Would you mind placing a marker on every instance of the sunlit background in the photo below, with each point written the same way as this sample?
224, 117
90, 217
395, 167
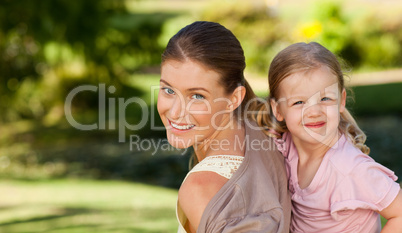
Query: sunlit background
58, 176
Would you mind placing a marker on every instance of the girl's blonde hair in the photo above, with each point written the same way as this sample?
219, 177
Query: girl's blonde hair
301, 57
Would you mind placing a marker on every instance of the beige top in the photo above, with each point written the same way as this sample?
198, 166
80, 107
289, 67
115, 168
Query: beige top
256, 197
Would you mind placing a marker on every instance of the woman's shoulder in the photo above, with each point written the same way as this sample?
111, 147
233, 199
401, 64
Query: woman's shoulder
197, 191
202, 183
206, 178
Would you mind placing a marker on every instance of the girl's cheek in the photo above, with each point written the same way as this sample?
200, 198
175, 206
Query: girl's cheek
334, 111
295, 112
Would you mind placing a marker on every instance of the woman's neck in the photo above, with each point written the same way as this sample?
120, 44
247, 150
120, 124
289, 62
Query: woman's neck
228, 141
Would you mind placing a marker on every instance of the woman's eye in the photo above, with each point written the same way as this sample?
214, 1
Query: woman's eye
197, 97
168, 90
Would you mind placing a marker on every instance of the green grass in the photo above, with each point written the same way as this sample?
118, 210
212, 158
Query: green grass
75, 206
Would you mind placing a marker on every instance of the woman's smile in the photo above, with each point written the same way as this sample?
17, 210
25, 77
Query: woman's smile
180, 127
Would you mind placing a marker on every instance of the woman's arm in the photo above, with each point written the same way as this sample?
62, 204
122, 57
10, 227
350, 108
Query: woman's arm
195, 194
393, 213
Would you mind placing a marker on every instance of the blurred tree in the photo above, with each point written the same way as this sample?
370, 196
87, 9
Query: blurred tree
48, 47
367, 40
257, 26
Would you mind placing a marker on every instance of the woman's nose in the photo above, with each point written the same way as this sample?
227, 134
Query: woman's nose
178, 107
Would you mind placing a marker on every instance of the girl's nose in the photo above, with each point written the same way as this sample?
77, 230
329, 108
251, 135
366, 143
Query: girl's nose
313, 110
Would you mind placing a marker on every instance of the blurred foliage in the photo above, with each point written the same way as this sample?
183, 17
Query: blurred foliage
52, 46
259, 30
49, 47
377, 100
365, 40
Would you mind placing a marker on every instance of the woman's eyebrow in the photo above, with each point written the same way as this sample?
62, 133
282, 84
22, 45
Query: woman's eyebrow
198, 88
190, 89
163, 81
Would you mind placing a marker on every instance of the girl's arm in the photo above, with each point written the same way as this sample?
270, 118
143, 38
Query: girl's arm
393, 213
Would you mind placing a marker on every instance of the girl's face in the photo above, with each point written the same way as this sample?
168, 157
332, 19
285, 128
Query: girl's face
191, 102
310, 102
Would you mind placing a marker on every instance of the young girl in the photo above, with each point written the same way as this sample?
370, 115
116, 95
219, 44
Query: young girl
335, 185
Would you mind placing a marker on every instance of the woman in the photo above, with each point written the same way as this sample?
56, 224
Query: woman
239, 184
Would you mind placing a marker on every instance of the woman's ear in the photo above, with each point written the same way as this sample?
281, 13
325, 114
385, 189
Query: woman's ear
275, 110
237, 97
342, 106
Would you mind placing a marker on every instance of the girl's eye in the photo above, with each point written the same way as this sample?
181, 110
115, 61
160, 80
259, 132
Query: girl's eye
168, 90
298, 102
325, 99
197, 97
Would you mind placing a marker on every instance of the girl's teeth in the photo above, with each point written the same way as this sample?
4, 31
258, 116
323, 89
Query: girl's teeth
182, 127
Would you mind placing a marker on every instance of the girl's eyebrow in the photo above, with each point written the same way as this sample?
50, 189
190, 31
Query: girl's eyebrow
299, 97
331, 92
190, 89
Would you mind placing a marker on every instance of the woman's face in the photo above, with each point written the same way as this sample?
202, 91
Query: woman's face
191, 102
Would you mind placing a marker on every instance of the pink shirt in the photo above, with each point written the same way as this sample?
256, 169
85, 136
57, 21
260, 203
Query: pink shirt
345, 193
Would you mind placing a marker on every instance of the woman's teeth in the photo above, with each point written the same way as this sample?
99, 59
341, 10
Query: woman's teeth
181, 127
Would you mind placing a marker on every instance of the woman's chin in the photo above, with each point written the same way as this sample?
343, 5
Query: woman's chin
178, 142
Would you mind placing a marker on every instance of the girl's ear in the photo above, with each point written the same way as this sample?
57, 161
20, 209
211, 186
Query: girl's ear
342, 106
237, 97
275, 110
